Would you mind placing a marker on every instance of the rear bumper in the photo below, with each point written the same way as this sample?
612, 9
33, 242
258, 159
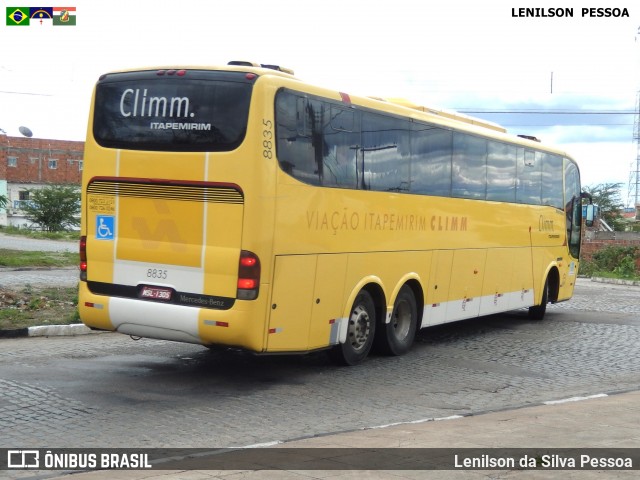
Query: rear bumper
242, 326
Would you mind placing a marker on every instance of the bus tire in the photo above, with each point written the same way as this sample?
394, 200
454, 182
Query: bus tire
361, 330
537, 311
397, 336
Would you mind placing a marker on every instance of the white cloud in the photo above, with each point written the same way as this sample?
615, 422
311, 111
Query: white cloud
605, 162
454, 54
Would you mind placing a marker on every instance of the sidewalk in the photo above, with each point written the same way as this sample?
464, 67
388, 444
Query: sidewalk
18, 242
580, 424
37, 276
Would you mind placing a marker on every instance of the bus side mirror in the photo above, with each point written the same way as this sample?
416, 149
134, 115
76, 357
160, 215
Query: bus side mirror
588, 221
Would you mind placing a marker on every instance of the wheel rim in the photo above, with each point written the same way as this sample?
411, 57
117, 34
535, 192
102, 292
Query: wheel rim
359, 328
401, 320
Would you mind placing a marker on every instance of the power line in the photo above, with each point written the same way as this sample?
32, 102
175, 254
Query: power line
567, 125
27, 93
550, 112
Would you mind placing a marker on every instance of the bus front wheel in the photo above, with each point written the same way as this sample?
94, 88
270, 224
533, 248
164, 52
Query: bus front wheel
396, 337
360, 332
537, 311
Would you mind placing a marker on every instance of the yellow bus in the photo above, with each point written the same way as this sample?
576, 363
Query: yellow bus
239, 206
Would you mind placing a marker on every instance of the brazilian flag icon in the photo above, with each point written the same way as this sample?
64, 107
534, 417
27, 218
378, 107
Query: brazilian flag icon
18, 16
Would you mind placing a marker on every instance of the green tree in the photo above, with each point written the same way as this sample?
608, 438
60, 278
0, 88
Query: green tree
4, 201
608, 198
54, 208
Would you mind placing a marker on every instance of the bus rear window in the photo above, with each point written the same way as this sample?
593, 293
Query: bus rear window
197, 111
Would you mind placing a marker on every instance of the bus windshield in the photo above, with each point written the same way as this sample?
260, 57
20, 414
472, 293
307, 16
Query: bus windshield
179, 111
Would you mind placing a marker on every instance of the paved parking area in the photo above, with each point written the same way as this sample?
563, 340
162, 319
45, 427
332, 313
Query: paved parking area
14, 242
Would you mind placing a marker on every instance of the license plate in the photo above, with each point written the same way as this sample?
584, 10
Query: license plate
156, 293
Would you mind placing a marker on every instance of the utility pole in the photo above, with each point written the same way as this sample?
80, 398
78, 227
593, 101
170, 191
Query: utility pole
634, 175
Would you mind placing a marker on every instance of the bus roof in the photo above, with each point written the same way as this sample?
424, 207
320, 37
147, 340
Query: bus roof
234, 65
445, 117
448, 114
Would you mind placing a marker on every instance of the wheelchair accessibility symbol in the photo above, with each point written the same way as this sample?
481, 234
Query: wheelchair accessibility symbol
105, 227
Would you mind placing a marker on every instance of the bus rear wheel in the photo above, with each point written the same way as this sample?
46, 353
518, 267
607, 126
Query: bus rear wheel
537, 311
396, 337
360, 332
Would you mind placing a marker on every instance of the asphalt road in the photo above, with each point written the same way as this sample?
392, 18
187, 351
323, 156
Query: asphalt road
12, 278
33, 244
107, 390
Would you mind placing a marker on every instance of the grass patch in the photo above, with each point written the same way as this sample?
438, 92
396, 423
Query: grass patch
71, 236
34, 306
31, 306
22, 258
616, 276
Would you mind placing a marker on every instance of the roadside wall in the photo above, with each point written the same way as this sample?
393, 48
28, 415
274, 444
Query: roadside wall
595, 241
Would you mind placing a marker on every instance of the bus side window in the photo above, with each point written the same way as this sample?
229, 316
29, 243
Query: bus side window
552, 180
469, 166
339, 143
303, 125
386, 153
342, 120
295, 147
529, 173
501, 172
431, 149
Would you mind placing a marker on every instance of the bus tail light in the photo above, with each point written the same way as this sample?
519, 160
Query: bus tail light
248, 276
83, 258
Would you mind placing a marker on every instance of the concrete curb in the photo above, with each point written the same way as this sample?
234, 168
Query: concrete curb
81, 329
35, 269
616, 281
59, 330
49, 331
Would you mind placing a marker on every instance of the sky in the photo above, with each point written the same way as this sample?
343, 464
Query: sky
464, 55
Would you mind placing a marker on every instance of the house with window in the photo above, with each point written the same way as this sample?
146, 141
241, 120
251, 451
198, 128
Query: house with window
27, 164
